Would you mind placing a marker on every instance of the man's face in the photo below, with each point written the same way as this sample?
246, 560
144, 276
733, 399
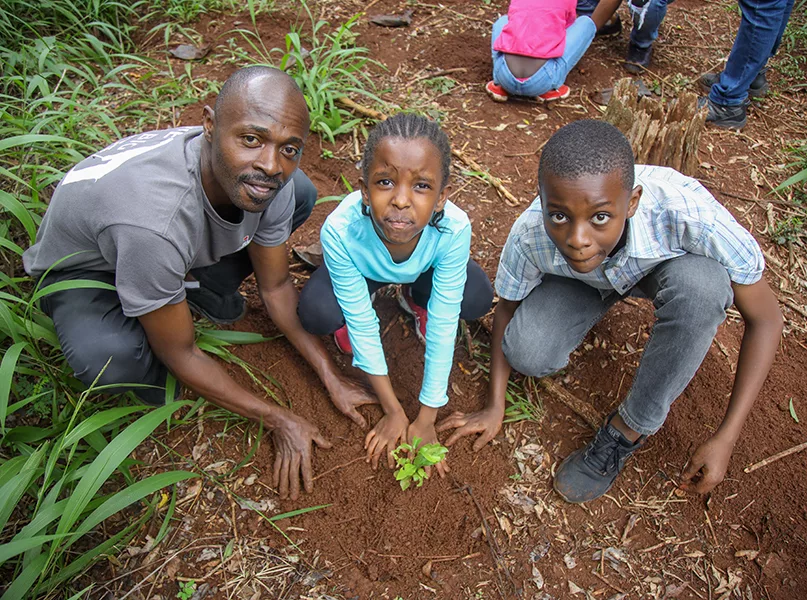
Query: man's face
256, 139
585, 217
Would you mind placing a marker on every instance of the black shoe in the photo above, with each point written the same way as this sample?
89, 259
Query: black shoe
758, 88
638, 59
588, 473
727, 117
223, 310
612, 27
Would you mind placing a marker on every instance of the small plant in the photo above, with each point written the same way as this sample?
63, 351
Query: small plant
787, 231
186, 590
415, 470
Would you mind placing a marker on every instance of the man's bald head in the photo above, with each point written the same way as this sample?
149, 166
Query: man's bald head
269, 78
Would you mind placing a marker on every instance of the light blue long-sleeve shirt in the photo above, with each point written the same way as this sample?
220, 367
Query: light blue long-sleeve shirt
353, 252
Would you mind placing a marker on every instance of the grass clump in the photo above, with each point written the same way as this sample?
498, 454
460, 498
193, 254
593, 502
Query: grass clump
333, 68
414, 470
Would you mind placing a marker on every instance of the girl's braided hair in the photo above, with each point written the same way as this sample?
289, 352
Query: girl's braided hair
409, 126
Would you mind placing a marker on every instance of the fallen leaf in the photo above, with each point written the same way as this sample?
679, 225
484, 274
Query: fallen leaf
537, 578
190, 51
575, 589
757, 177
748, 554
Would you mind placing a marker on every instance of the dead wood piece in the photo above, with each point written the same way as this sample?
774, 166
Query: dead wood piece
775, 457
494, 181
404, 20
659, 134
581, 408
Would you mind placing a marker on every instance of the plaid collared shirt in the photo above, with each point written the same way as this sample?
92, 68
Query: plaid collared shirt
676, 216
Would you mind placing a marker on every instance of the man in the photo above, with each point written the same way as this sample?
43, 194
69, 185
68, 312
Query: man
197, 208
762, 26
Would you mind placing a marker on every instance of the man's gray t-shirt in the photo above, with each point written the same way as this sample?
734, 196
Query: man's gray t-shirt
137, 208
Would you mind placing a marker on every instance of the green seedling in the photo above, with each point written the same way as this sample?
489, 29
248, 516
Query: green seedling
186, 590
415, 470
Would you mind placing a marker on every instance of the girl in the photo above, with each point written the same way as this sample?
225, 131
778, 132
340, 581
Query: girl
537, 43
399, 228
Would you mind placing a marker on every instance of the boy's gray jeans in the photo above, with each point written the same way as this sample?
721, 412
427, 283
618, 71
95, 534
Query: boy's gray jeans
691, 294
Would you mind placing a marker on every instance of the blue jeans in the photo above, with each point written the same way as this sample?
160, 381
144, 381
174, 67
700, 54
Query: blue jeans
642, 37
553, 73
761, 28
691, 294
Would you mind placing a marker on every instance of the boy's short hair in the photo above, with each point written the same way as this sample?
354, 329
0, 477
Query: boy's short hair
587, 147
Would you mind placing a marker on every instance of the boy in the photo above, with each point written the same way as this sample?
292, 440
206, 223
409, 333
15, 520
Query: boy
594, 236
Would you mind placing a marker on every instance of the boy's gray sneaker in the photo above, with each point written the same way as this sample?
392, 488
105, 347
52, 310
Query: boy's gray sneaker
727, 117
758, 88
223, 310
588, 473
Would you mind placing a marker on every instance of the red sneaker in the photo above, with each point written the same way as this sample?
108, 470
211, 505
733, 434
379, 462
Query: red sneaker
559, 94
419, 314
496, 92
342, 340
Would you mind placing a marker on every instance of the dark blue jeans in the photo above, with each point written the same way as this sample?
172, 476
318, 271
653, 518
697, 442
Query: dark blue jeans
761, 28
643, 36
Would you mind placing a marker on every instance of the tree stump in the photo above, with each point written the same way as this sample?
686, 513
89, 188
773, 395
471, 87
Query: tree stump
660, 133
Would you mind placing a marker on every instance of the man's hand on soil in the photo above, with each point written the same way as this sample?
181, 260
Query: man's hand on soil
423, 429
487, 423
708, 465
347, 395
387, 433
293, 438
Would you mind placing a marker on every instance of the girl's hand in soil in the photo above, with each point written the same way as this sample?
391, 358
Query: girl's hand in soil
486, 422
346, 395
387, 433
423, 428
292, 438
708, 465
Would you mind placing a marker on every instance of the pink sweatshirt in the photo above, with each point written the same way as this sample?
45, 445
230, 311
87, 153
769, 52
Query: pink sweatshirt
536, 28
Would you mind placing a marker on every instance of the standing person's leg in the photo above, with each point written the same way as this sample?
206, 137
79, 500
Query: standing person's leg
691, 294
550, 323
647, 19
93, 331
761, 26
217, 297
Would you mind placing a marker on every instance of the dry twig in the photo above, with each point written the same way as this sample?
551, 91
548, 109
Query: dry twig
775, 457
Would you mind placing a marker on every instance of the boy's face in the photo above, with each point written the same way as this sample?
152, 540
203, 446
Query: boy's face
585, 217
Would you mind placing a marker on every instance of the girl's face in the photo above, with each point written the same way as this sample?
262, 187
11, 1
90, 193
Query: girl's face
404, 189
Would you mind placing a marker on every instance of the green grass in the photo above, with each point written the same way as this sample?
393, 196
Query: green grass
327, 65
72, 83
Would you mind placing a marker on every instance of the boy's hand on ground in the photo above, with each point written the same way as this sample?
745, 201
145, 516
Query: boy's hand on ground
708, 465
387, 433
292, 438
347, 395
423, 429
487, 423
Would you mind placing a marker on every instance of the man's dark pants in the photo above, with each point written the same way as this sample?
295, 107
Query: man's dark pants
93, 330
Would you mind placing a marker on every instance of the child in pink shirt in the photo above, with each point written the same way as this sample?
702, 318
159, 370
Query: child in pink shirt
536, 45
